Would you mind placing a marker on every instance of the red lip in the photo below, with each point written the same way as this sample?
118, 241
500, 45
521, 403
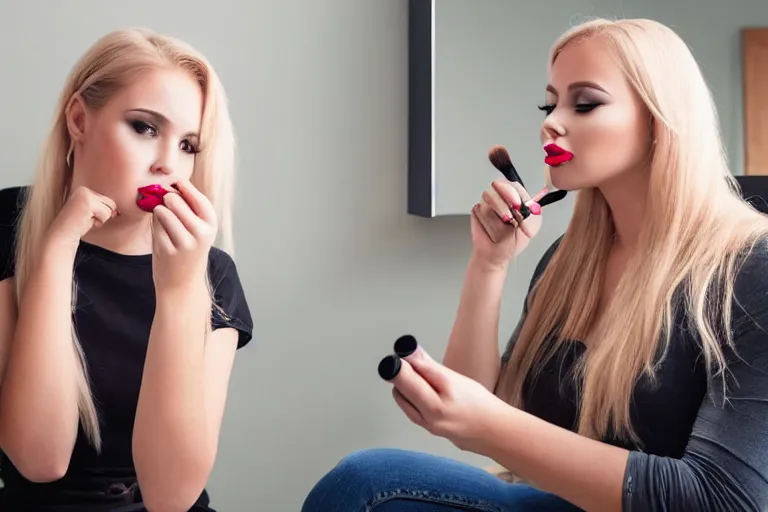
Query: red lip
556, 155
150, 197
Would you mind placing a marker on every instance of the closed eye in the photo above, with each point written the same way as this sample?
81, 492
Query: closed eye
547, 108
583, 108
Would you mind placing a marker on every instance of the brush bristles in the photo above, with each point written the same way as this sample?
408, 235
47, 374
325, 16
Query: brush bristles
499, 157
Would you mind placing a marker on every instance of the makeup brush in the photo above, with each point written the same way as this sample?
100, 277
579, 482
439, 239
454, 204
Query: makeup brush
500, 159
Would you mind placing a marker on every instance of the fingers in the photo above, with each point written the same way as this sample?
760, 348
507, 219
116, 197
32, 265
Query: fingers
102, 209
432, 371
540, 194
416, 389
161, 240
407, 407
172, 228
494, 227
196, 201
182, 210
503, 199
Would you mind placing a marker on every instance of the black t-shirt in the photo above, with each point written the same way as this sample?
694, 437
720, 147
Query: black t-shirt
696, 454
115, 308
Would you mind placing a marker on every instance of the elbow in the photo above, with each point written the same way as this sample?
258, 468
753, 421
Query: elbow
38, 460
40, 470
170, 491
167, 503
176, 496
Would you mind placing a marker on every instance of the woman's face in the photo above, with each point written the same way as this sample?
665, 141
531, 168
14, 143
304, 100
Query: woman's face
596, 127
147, 133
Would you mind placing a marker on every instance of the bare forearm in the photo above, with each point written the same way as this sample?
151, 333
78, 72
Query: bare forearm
473, 348
38, 411
585, 472
170, 441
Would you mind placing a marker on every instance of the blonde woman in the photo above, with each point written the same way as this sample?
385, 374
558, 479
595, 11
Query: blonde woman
637, 378
120, 323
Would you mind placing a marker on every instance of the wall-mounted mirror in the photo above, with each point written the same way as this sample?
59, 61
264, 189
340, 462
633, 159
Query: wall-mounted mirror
478, 71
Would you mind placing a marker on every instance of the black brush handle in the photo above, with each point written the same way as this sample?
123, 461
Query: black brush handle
511, 175
552, 197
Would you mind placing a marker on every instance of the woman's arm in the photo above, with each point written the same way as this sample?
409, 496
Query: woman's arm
38, 397
473, 348
181, 402
725, 464
587, 473
185, 385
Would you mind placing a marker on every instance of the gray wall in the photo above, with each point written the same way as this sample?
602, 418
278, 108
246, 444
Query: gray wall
334, 268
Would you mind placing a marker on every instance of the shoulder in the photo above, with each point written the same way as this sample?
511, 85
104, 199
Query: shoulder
749, 302
220, 264
231, 305
11, 206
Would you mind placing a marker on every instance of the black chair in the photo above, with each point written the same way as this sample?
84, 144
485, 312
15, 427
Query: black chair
755, 190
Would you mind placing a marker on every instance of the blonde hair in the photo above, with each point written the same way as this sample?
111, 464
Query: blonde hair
109, 65
697, 229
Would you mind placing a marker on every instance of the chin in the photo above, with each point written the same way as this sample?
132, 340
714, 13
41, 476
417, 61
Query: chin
567, 178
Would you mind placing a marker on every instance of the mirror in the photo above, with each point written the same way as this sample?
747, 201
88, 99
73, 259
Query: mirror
477, 72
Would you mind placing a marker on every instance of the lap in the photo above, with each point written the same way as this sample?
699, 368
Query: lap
385, 480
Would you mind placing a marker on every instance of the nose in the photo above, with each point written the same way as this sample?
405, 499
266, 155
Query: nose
165, 161
552, 128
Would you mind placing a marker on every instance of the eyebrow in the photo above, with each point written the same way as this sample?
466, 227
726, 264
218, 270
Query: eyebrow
160, 119
578, 85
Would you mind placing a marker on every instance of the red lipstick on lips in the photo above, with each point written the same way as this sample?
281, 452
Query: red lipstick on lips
556, 155
150, 197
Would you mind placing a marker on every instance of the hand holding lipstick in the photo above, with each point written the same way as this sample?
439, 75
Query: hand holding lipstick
438, 399
184, 228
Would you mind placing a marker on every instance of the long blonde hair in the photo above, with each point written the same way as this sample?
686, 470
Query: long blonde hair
696, 230
106, 67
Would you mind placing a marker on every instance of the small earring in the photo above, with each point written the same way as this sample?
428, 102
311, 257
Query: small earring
70, 153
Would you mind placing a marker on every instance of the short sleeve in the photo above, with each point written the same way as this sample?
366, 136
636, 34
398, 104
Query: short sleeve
231, 308
543, 262
11, 203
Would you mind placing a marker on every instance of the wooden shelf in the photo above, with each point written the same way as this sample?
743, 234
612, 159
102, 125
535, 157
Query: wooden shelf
755, 55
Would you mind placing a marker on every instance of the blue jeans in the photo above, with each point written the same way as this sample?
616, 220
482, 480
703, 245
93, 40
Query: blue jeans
389, 480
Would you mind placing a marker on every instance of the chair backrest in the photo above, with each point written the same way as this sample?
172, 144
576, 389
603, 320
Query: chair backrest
755, 190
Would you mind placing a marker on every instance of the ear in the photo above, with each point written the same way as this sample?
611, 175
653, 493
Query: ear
76, 118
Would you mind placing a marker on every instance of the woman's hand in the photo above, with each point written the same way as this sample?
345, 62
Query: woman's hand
444, 402
83, 211
499, 232
183, 231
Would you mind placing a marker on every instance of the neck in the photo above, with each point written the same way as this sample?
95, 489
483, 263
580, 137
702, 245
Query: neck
627, 200
123, 235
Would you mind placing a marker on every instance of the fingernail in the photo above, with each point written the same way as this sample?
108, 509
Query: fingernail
389, 367
535, 208
406, 345
506, 217
516, 206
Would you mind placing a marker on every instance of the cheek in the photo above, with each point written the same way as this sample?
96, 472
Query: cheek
615, 144
120, 158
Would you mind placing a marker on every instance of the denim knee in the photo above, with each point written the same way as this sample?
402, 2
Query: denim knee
351, 485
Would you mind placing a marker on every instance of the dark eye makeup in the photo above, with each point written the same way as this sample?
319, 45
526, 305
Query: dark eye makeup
147, 129
580, 108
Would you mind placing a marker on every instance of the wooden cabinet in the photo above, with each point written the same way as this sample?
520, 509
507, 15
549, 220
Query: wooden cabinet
755, 55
